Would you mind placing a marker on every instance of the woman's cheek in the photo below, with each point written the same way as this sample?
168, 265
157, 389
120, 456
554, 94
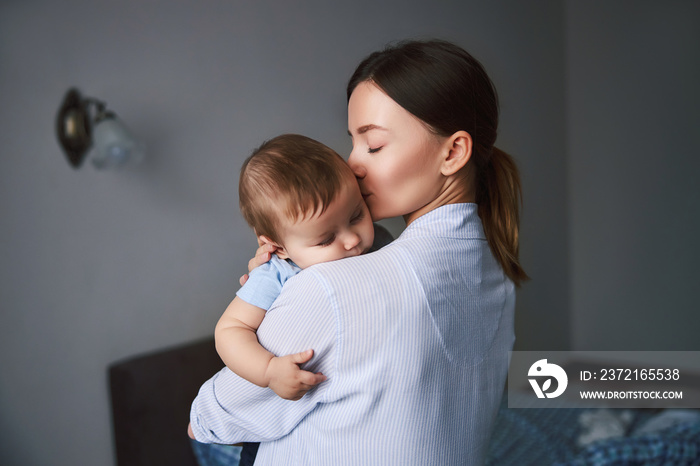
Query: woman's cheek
386, 180
387, 202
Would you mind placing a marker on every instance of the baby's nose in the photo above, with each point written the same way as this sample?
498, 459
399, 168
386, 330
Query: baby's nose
351, 240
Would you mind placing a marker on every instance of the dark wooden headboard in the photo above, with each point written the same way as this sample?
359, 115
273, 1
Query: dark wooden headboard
151, 397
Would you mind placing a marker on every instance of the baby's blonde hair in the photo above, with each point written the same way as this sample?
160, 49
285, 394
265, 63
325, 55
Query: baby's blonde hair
290, 175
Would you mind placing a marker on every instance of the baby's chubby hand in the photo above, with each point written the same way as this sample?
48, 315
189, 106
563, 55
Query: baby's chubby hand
288, 380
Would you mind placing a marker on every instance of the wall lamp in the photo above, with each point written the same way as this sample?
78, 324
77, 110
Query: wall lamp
84, 123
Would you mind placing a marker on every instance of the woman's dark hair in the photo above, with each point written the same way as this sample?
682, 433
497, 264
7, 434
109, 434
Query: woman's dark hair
449, 90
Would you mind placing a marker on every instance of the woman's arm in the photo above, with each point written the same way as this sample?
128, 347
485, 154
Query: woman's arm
238, 346
230, 409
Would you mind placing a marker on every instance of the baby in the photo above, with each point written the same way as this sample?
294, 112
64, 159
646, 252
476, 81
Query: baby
302, 198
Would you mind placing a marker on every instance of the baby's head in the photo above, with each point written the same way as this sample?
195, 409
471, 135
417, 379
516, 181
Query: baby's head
301, 196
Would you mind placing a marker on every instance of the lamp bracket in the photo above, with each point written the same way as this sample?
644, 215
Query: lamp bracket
74, 122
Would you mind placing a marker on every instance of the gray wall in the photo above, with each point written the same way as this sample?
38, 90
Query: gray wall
633, 153
98, 266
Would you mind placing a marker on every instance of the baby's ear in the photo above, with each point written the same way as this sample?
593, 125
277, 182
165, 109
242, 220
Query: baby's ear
279, 249
281, 253
262, 240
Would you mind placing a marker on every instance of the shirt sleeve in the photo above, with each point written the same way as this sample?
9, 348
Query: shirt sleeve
229, 409
265, 282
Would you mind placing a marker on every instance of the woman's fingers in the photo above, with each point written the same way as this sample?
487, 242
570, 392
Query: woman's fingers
258, 260
262, 255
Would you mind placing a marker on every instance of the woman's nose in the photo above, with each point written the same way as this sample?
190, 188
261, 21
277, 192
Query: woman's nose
355, 166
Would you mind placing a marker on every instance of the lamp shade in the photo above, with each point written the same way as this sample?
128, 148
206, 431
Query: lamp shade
114, 145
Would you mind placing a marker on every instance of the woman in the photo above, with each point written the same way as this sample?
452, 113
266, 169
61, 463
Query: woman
415, 337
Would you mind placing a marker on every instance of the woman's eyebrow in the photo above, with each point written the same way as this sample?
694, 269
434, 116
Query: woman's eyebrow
365, 128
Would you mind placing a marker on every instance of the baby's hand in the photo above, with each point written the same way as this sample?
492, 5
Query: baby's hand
288, 380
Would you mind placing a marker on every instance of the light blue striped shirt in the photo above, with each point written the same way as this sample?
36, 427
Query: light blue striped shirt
414, 339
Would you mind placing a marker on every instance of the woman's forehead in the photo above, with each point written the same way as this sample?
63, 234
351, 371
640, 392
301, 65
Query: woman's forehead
371, 109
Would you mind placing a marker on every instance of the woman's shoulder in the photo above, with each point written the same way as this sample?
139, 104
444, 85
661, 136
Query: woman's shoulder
360, 269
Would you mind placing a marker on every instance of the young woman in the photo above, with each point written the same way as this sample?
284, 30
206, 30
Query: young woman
414, 338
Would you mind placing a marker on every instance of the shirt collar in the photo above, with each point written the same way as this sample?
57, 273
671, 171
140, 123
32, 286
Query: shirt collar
451, 221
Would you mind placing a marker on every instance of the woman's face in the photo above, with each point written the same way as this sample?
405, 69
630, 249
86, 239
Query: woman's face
395, 158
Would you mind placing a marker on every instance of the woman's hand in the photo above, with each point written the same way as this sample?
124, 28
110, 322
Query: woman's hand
262, 255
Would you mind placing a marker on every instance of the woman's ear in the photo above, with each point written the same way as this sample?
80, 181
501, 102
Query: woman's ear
458, 149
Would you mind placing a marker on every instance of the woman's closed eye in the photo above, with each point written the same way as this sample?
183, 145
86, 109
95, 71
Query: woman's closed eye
374, 150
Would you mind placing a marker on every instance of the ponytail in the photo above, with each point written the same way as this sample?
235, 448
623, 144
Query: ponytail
498, 196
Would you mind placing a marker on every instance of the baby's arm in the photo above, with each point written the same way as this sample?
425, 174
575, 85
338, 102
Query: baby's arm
238, 346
